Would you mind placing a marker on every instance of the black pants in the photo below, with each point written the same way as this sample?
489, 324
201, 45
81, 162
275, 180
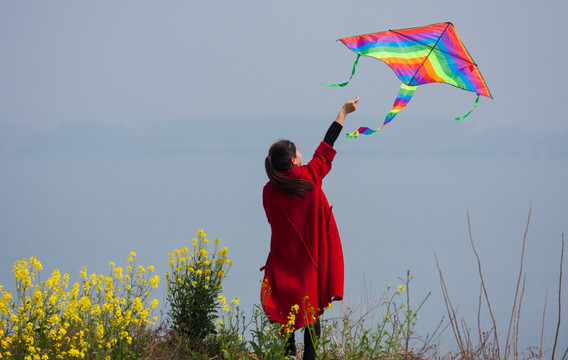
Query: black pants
309, 349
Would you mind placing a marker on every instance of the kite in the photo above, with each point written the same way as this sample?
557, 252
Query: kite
418, 56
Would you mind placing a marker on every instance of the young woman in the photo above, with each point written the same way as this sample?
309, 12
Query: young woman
304, 269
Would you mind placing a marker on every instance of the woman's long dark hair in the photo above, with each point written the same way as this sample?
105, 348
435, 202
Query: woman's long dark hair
277, 162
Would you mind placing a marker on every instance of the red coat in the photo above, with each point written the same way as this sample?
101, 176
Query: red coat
306, 258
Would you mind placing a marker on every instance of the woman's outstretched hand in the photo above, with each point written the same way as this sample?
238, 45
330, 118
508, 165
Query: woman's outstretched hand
350, 105
347, 108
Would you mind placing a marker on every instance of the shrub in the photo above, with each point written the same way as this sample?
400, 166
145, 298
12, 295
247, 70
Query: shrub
194, 285
100, 317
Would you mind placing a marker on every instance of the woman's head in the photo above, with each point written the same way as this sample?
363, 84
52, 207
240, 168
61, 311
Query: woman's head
282, 156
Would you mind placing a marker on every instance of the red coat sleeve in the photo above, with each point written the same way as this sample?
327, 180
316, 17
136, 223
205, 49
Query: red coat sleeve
319, 166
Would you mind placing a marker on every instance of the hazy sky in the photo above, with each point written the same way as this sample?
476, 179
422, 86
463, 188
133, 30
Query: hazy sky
128, 126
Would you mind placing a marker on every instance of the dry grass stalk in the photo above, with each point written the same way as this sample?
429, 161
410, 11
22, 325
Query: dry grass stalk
514, 321
559, 303
542, 329
451, 311
496, 335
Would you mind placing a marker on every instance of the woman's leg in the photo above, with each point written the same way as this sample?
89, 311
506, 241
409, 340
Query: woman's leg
291, 345
309, 347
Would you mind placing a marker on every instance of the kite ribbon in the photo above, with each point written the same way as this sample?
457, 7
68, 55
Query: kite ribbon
470, 111
404, 95
351, 77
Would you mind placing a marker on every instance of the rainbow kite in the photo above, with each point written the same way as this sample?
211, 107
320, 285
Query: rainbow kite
419, 55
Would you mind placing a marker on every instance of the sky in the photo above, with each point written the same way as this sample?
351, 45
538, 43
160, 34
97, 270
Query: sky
128, 126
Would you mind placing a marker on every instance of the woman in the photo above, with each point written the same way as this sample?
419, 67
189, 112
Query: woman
304, 269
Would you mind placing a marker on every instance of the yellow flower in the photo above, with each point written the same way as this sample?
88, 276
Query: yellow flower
400, 288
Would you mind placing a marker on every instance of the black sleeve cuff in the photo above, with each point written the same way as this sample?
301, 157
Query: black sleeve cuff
332, 133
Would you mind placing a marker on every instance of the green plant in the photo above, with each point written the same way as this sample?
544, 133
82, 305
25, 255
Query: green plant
230, 329
268, 339
370, 333
194, 285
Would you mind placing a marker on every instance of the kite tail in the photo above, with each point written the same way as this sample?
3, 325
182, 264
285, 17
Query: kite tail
404, 95
470, 111
351, 77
